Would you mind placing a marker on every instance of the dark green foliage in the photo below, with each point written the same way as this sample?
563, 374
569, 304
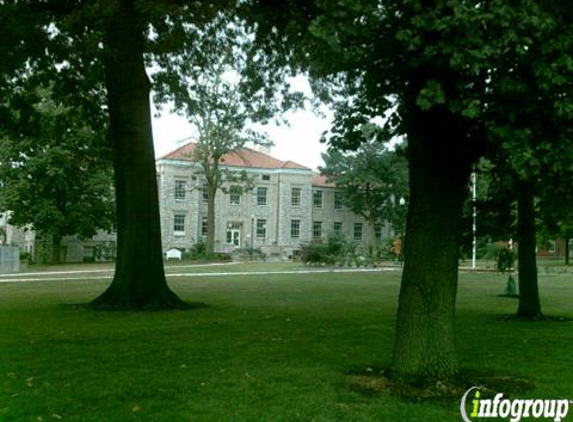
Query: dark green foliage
316, 253
373, 181
334, 250
505, 260
56, 170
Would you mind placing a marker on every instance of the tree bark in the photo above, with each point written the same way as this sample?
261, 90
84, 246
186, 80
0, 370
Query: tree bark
210, 246
56, 249
439, 169
529, 304
139, 282
566, 251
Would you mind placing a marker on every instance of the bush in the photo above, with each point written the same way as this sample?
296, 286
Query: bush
505, 260
316, 252
25, 256
334, 249
198, 252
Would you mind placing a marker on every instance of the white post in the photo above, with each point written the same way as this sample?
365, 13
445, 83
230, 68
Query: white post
474, 222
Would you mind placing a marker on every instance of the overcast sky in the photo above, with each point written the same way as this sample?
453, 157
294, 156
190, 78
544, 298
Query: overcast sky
298, 142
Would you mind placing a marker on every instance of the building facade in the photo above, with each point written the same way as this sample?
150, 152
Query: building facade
286, 205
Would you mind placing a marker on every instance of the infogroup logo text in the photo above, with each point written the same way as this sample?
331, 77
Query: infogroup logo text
515, 410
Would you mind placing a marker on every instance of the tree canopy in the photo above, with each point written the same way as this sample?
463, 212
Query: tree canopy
56, 171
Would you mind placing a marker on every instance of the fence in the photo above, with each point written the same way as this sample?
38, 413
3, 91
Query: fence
9, 259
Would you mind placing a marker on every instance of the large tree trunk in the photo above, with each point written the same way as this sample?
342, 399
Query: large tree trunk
210, 245
56, 249
439, 168
139, 282
529, 304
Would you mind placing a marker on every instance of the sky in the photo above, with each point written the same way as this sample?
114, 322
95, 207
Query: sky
298, 142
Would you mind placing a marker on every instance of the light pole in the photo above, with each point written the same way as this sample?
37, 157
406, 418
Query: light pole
252, 235
474, 219
402, 203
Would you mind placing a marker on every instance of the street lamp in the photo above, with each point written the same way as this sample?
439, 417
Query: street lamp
252, 234
402, 203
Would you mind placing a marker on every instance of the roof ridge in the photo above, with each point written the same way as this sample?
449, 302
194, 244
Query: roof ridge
176, 150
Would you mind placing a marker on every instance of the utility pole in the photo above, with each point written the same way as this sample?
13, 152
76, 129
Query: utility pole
474, 215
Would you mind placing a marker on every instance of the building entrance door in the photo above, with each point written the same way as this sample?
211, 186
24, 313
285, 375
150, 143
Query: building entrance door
234, 234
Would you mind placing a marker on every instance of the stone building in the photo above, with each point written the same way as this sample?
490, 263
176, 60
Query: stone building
286, 206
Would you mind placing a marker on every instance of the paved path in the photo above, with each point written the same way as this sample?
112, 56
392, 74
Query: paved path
50, 276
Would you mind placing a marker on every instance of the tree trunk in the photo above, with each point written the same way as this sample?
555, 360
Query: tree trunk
210, 246
439, 169
139, 282
529, 305
56, 249
566, 251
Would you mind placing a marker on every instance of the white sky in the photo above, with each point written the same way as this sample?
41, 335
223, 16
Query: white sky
298, 142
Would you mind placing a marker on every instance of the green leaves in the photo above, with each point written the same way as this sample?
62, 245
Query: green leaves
57, 177
372, 181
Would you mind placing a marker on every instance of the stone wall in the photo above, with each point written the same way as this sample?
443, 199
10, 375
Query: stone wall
9, 259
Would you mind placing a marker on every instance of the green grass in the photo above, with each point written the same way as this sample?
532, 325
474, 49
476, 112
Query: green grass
269, 348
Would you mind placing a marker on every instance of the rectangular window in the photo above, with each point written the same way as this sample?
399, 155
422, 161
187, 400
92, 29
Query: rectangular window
338, 201
266, 177
378, 231
179, 224
180, 188
295, 229
357, 231
337, 228
261, 228
261, 196
295, 197
235, 195
317, 198
317, 229
204, 227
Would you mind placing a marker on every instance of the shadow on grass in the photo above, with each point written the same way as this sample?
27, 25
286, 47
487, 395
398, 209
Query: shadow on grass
540, 318
186, 306
373, 382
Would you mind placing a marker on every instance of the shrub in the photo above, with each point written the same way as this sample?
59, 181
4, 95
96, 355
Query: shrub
25, 256
505, 260
334, 249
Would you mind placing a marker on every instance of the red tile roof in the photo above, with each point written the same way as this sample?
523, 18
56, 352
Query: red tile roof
322, 181
244, 157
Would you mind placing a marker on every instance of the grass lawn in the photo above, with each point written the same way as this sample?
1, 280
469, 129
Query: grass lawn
270, 348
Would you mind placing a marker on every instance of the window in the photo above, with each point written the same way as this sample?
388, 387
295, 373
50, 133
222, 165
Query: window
205, 193
337, 228
204, 227
317, 198
261, 228
235, 195
295, 197
266, 177
180, 188
357, 231
317, 229
179, 224
378, 231
338, 201
261, 196
295, 229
